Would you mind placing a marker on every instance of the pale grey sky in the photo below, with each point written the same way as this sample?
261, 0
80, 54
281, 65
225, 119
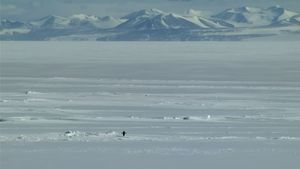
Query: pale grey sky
33, 9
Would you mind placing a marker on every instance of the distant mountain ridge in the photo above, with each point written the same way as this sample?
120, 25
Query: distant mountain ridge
154, 24
154, 19
75, 21
253, 17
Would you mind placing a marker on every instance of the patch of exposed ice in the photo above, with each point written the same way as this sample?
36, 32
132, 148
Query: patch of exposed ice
29, 92
35, 100
4, 101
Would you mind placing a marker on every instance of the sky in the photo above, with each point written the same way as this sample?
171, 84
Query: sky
34, 9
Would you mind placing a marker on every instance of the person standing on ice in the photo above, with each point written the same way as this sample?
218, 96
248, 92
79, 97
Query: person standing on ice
124, 133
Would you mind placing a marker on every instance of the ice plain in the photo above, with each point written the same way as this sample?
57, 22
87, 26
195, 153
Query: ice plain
184, 105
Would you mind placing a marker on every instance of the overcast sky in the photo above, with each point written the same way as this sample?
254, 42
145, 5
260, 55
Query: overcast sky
33, 9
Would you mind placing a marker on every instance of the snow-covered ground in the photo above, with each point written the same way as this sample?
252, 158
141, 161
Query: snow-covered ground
183, 104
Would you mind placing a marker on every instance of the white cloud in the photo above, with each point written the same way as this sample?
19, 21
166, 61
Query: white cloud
10, 10
5, 7
33, 9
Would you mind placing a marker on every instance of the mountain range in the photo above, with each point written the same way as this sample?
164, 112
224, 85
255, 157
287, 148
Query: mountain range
153, 24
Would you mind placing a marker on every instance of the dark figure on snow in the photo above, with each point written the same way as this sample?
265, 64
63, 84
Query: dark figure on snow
124, 133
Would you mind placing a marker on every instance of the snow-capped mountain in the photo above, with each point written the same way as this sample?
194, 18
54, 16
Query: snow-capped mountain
279, 13
294, 20
76, 21
10, 27
207, 23
153, 24
254, 17
205, 20
154, 19
50, 22
9, 24
82, 20
145, 13
110, 22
